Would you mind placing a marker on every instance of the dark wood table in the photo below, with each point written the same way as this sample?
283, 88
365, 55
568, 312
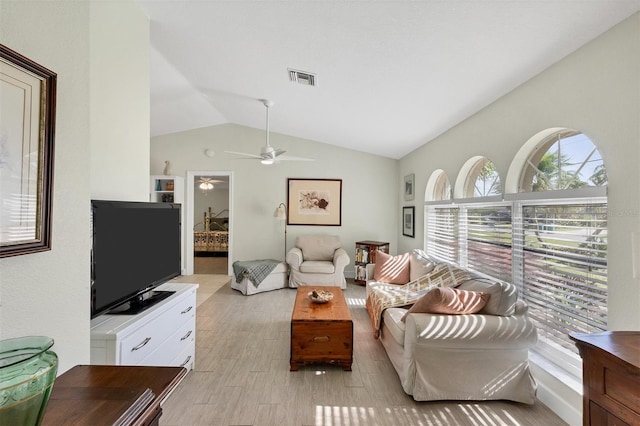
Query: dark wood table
111, 395
611, 377
321, 332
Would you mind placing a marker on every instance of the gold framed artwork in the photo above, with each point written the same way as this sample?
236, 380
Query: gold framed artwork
314, 202
27, 102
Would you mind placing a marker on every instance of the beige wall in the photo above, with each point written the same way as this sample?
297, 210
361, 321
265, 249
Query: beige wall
595, 90
368, 183
120, 108
48, 293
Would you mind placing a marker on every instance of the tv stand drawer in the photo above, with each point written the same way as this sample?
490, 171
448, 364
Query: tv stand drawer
153, 337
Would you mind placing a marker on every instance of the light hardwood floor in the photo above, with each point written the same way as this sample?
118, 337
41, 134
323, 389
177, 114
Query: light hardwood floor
242, 376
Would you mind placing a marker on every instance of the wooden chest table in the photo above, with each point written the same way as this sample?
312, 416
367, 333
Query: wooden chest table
321, 332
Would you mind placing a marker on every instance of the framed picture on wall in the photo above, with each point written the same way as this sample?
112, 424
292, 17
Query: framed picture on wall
27, 102
314, 202
409, 187
408, 221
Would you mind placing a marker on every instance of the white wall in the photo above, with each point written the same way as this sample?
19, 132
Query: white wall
48, 293
369, 185
595, 90
120, 87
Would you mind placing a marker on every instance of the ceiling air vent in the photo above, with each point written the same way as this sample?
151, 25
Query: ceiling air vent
302, 77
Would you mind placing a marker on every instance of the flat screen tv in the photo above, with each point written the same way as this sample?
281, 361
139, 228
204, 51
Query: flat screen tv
135, 248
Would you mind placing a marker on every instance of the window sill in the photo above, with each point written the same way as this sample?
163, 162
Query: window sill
571, 381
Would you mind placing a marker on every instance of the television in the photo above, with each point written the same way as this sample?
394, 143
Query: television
135, 248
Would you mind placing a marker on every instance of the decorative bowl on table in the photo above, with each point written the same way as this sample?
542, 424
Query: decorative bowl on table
320, 296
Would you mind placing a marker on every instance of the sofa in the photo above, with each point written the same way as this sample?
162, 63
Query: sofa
452, 356
317, 260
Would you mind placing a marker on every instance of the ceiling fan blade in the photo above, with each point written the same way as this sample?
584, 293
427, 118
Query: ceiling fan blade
253, 156
293, 158
278, 152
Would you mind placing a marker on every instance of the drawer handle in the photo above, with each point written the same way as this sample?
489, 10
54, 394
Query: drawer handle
321, 339
186, 361
186, 336
187, 310
141, 345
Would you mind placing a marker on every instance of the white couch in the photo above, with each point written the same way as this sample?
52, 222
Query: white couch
317, 260
481, 356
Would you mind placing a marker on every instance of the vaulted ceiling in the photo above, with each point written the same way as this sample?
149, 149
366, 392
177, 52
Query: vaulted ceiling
390, 75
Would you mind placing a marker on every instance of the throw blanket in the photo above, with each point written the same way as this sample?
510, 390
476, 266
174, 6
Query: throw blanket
386, 296
255, 270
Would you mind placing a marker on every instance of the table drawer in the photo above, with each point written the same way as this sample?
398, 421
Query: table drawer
321, 341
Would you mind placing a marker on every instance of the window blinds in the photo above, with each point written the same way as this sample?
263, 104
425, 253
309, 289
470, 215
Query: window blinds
442, 233
562, 268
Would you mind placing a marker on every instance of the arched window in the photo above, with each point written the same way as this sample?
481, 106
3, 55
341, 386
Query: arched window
441, 218
566, 159
561, 207
438, 187
478, 178
544, 228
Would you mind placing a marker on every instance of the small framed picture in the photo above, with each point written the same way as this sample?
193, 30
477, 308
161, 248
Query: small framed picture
409, 187
408, 221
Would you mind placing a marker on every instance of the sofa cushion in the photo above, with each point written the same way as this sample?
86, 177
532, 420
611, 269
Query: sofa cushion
420, 264
447, 300
391, 269
317, 267
503, 295
318, 247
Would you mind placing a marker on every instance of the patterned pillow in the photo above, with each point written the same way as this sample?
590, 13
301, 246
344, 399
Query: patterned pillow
448, 300
391, 269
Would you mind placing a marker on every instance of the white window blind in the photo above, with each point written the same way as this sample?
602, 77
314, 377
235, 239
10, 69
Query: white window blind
562, 268
488, 240
442, 233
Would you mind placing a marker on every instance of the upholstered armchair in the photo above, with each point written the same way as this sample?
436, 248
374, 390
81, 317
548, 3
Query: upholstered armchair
317, 260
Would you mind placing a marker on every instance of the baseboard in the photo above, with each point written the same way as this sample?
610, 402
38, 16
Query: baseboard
563, 395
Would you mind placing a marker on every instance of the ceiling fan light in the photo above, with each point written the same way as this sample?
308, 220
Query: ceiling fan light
267, 161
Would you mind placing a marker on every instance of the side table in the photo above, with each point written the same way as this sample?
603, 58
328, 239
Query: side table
611, 377
108, 395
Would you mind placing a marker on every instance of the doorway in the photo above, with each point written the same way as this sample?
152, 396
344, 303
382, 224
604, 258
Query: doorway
208, 242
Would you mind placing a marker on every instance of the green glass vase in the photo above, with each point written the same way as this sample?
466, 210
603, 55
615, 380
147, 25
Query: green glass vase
27, 372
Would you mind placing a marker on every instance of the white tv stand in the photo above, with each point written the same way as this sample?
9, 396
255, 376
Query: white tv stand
163, 335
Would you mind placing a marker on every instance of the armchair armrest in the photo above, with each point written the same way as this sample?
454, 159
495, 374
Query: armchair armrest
340, 259
294, 258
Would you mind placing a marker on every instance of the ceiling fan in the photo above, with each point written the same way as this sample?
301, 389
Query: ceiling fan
269, 154
207, 184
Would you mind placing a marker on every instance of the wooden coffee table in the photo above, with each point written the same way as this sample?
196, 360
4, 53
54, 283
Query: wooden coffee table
321, 332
